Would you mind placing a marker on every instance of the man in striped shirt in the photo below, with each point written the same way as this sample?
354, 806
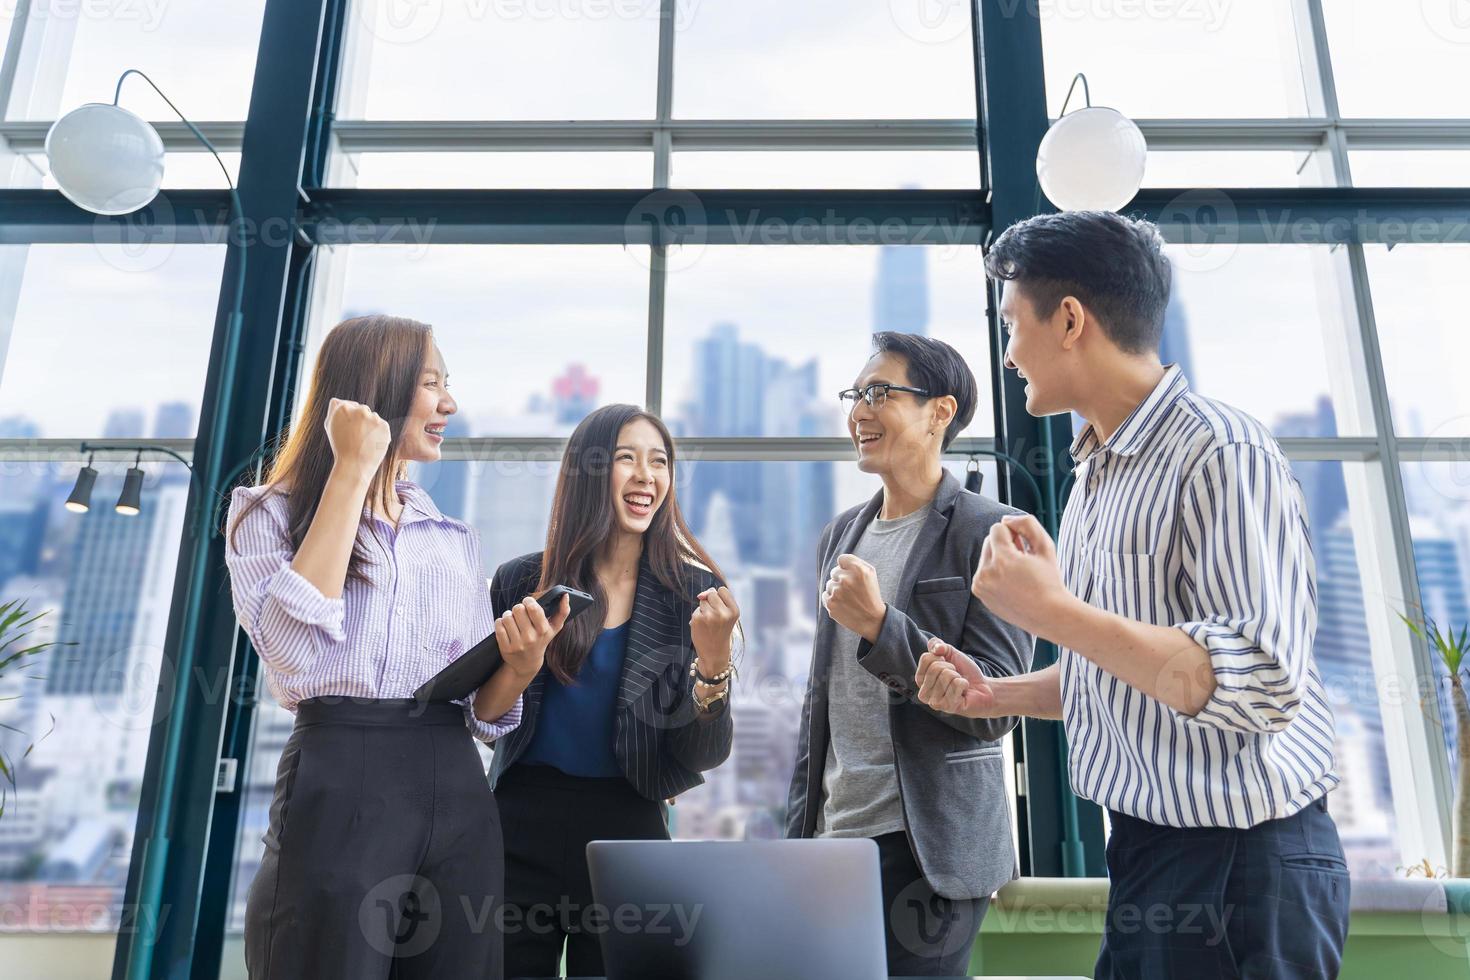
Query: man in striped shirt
1182, 599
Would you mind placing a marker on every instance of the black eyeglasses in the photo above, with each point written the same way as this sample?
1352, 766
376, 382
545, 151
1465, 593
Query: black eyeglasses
875, 395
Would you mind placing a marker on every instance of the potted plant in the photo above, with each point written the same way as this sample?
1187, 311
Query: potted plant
1451, 650
17, 624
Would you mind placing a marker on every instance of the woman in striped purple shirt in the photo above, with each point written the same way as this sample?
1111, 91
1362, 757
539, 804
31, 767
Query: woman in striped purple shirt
384, 846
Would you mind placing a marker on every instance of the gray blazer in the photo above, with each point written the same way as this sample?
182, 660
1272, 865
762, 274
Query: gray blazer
950, 770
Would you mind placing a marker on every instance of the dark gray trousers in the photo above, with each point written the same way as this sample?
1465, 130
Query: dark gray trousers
383, 857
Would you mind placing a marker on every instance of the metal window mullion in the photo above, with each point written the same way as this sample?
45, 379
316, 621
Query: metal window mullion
658, 278
1413, 739
10, 53
408, 136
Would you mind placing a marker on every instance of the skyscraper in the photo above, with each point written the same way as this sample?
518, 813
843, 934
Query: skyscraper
901, 289
743, 391
174, 420
110, 564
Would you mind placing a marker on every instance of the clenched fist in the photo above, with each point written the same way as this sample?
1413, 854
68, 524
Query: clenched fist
951, 682
852, 598
358, 435
1018, 578
711, 627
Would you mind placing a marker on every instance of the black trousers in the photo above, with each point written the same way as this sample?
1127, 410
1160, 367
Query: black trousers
549, 818
383, 855
927, 935
1271, 901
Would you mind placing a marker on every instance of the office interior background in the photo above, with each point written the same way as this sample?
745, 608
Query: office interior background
707, 207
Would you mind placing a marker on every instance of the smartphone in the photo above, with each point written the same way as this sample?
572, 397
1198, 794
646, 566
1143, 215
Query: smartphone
550, 601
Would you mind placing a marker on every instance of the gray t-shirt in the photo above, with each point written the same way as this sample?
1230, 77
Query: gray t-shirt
859, 782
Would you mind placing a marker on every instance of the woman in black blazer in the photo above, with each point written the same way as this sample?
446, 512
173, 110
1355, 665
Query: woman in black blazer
631, 703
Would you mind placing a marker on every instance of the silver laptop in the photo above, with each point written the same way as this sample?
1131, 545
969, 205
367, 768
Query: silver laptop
734, 910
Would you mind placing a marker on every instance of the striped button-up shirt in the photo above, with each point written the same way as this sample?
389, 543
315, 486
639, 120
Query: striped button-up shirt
1189, 516
424, 603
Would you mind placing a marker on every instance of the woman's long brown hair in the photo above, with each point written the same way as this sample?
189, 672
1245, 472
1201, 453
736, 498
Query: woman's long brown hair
374, 360
583, 522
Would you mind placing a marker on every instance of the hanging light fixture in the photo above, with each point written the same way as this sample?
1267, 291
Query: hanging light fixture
1093, 159
130, 502
80, 500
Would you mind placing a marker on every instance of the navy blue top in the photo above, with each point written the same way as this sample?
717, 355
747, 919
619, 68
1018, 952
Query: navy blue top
574, 727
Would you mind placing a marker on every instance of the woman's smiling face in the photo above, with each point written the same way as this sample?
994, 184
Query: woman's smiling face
640, 476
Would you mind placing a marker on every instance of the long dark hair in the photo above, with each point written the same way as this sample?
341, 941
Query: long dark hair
374, 360
583, 521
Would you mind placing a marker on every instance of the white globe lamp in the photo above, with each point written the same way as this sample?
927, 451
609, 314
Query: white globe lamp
105, 159
1092, 159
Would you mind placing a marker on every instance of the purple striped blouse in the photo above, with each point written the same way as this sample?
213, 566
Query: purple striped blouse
424, 604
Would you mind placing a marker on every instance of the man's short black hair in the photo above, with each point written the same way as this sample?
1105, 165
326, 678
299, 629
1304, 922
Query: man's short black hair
937, 368
1114, 265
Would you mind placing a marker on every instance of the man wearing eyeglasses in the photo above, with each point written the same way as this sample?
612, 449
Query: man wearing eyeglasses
872, 760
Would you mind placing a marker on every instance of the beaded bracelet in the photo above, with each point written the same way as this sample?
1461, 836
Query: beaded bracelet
719, 678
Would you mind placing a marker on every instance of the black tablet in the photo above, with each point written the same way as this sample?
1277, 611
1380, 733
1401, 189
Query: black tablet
463, 677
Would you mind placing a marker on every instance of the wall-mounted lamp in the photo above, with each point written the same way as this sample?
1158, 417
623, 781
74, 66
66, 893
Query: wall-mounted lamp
130, 501
80, 500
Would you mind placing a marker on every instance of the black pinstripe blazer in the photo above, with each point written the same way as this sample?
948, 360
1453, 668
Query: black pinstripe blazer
661, 742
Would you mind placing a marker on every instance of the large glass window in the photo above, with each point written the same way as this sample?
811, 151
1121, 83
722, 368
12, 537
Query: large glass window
77, 723
761, 338
1414, 292
1261, 327
769, 59
201, 55
1186, 60
527, 356
144, 315
1399, 60
462, 59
